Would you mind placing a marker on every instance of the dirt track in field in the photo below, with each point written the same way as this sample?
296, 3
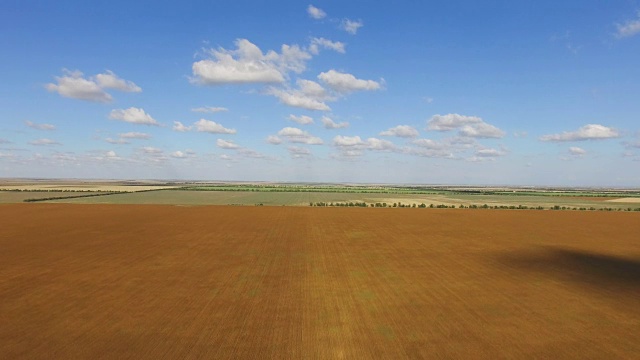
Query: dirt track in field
150, 282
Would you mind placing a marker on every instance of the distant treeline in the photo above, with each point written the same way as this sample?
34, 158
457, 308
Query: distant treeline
484, 206
104, 193
52, 190
402, 190
72, 196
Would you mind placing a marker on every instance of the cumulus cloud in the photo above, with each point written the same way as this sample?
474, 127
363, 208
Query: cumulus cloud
39, 126
350, 141
296, 135
212, 127
445, 148
226, 144
118, 141
135, 135
587, 132
351, 26
297, 152
302, 119
133, 115
404, 131
576, 151
317, 43
253, 154
451, 122
178, 126
470, 126
73, 85
488, 152
151, 150
330, 124
109, 80
347, 83
354, 145
315, 12
481, 130
274, 140
44, 142
380, 144
309, 95
209, 109
629, 28
178, 154
247, 64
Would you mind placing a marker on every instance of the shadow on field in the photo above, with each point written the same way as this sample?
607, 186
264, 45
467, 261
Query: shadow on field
606, 272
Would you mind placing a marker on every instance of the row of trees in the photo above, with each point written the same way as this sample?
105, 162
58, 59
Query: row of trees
485, 206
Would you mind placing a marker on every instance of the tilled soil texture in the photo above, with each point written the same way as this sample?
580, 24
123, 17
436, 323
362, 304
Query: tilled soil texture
218, 282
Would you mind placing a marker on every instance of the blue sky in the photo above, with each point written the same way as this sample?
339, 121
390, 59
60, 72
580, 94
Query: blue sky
456, 92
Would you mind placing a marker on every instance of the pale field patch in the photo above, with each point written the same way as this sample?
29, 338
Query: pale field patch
625, 200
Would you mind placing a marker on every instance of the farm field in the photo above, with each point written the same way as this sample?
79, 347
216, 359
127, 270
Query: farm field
191, 197
227, 282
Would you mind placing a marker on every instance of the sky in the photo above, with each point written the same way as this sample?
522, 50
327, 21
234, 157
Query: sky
543, 93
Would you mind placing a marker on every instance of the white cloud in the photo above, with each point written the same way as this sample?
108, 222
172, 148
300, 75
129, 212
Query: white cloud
44, 142
296, 135
209, 109
226, 157
274, 140
587, 132
297, 151
151, 150
317, 43
310, 95
629, 28
347, 141
116, 141
135, 135
451, 122
179, 154
111, 154
39, 126
330, 124
351, 26
404, 131
133, 115
488, 152
5, 141
346, 83
445, 148
357, 143
316, 13
298, 100
178, 126
302, 119
209, 126
109, 80
469, 126
73, 85
380, 144
574, 150
226, 144
252, 154
247, 64
481, 130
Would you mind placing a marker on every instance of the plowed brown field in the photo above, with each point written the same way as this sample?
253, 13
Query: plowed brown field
151, 282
